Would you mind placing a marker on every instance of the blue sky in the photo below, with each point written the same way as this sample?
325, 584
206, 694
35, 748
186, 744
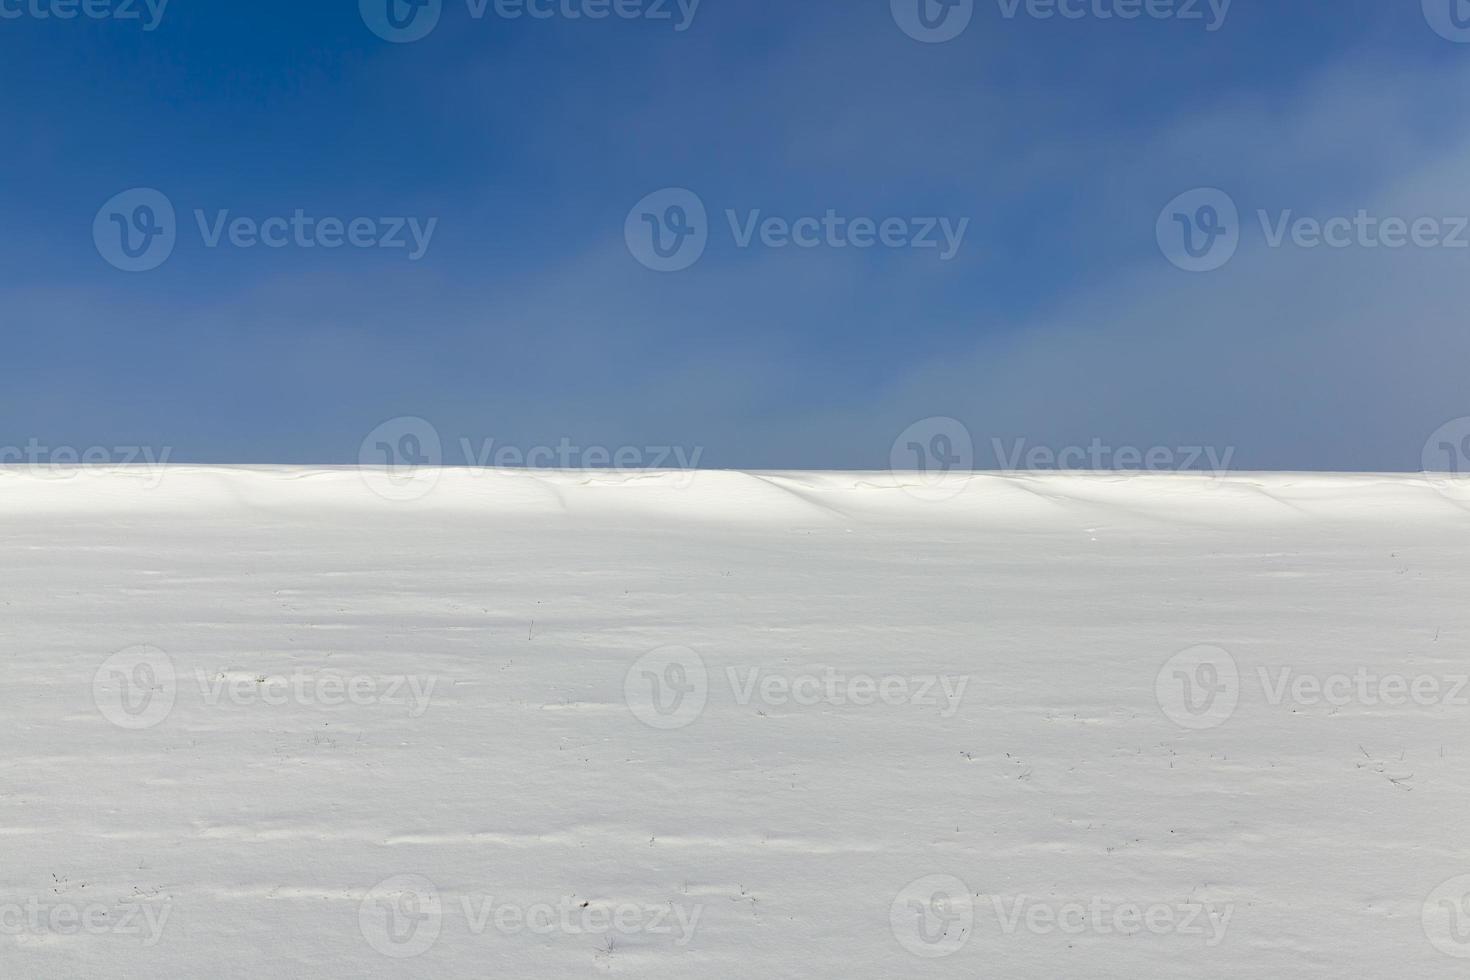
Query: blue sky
528, 318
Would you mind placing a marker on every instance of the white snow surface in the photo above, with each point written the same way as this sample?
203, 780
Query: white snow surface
496, 764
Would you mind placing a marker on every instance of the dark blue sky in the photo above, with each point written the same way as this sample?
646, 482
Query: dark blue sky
528, 318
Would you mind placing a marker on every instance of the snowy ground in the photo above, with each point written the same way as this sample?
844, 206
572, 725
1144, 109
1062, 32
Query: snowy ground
281, 722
